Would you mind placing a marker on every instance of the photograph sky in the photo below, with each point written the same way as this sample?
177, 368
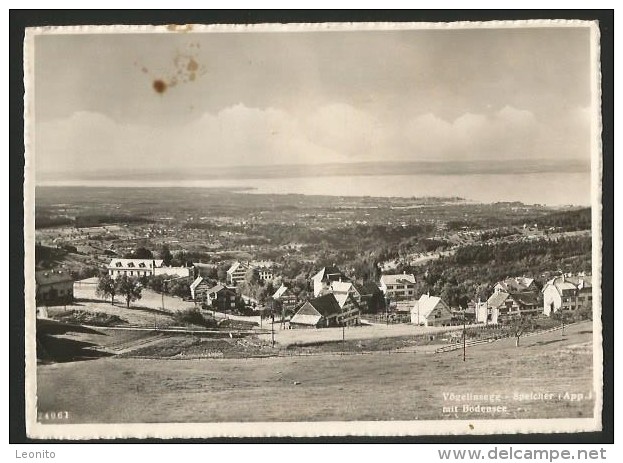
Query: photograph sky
127, 102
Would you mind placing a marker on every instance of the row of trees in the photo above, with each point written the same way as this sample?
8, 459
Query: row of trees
128, 288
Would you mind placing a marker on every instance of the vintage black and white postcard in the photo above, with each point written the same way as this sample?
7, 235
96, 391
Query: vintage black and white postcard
369, 229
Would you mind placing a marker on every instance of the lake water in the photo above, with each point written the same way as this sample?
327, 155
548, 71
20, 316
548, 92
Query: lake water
550, 188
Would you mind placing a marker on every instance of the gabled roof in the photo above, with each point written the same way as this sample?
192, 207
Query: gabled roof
329, 273
235, 267
49, 277
150, 263
426, 304
565, 283
585, 281
516, 284
341, 299
305, 319
326, 305
280, 292
368, 288
217, 288
525, 298
342, 286
497, 299
398, 279
196, 283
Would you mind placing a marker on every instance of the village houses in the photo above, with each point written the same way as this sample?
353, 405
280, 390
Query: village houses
285, 297
567, 293
144, 268
237, 272
325, 311
398, 287
53, 287
220, 297
431, 311
512, 297
323, 278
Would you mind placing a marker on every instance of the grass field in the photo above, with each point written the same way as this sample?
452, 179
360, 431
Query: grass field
374, 386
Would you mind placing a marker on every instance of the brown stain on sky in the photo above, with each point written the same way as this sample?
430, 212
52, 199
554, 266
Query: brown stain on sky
160, 86
186, 69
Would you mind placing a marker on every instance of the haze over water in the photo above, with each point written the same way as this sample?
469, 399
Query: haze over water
549, 188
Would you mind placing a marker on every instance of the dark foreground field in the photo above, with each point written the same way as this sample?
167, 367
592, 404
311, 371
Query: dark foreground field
375, 386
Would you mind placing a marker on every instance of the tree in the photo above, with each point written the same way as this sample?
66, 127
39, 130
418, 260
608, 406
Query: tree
178, 287
106, 286
252, 277
518, 326
139, 253
130, 288
180, 258
221, 273
143, 253
165, 255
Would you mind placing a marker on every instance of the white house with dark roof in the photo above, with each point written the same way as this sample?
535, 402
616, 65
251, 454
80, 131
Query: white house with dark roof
567, 292
398, 286
144, 268
431, 311
502, 306
133, 267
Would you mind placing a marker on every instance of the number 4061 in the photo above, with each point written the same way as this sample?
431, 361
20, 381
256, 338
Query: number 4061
42, 416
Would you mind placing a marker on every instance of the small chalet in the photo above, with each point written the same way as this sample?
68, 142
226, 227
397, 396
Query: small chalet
502, 305
220, 298
199, 288
286, 297
320, 312
431, 311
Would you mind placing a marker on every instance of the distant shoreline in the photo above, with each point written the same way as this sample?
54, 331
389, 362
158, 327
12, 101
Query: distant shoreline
359, 169
550, 189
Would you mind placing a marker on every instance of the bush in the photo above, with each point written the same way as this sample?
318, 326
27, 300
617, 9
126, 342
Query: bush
80, 317
194, 317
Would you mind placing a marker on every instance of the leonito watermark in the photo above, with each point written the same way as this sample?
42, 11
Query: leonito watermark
38, 455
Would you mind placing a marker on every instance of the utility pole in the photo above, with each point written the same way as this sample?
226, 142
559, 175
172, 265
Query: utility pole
562, 321
464, 335
343, 331
272, 325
